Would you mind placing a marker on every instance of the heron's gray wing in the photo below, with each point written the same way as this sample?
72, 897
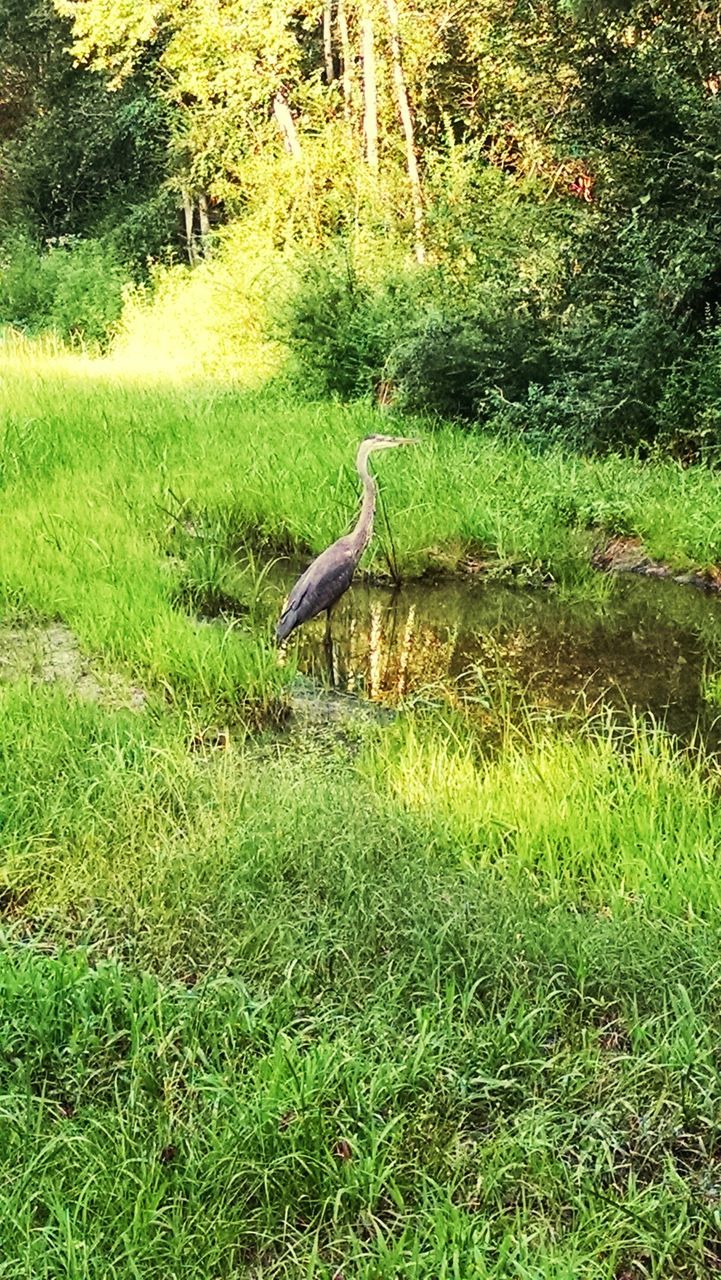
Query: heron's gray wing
323, 582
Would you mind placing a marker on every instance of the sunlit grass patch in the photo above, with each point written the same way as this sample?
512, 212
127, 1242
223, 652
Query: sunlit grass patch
607, 816
285, 469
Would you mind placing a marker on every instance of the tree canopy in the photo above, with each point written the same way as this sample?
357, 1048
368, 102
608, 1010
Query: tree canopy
552, 166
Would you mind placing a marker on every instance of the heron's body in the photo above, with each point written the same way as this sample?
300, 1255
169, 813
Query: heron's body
322, 584
331, 573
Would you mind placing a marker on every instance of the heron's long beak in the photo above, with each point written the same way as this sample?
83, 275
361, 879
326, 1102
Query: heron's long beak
407, 440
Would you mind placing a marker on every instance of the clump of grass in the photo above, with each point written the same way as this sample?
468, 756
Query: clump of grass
443, 1005
309, 1022
597, 813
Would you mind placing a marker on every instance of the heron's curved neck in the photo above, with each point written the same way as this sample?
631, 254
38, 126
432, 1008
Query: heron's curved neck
363, 531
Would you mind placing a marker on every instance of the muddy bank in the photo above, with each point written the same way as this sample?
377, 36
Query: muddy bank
627, 555
50, 654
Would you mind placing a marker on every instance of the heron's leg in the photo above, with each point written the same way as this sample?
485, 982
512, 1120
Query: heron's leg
328, 646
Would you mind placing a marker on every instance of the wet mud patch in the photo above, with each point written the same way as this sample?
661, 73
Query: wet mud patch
313, 705
50, 654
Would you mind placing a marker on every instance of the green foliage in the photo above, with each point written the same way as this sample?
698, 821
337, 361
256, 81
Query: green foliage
211, 320
470, 1001
77, 159
466, 364
689, 412
556, 329
455, 358
338, 328
74, 290
146, 234
458, 336
605, 379
382, 976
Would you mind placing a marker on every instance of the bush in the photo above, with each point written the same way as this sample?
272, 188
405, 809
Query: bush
469, 364
25, 296
593, 340
689, 411
456, 336
145, 233
458, 359
338, 328
74, 289
606, 377
631, 363
210, 320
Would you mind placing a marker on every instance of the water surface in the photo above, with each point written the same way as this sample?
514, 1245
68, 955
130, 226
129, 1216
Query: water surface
649, 646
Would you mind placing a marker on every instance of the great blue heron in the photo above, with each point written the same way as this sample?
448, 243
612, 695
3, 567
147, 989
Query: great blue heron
331, 573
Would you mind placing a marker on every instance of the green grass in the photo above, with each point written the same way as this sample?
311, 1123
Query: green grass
436, 998
221, 967
100, 476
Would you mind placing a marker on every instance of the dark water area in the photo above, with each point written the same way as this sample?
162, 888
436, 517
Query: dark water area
644, 646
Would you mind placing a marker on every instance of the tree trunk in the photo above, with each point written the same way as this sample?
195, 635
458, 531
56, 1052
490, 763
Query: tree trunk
346, 56
404, 108
370, 91
204, 221
328, 41
286, 124
188, 211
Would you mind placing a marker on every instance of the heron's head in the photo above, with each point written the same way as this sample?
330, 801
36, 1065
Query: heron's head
372, 443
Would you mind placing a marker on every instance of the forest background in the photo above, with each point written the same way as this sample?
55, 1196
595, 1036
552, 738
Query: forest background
501, 211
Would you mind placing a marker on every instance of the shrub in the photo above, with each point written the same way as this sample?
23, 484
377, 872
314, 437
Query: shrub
689, 411
74, 289
212, 319
594, 325
338, 328
468, 364
452, 357
144, 235
606, 377
25, 294
456, 336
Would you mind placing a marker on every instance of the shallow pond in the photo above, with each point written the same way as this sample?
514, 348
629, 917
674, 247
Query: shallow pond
647, 645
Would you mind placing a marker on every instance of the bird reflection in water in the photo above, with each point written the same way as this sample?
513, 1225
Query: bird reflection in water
382, 648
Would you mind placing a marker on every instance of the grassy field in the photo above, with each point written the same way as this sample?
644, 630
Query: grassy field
118, 497
405, 1000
